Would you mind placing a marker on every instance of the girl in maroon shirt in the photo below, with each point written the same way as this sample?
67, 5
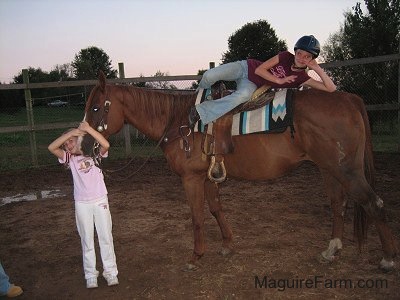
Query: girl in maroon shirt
284, 70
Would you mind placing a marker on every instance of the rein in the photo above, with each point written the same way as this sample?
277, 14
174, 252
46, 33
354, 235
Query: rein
107, 172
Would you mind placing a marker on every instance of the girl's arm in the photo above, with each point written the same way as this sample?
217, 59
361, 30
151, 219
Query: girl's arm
104, 144
263, 71
55, 146
326, 84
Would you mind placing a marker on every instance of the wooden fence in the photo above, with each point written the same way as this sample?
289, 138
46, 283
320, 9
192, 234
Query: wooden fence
31, 127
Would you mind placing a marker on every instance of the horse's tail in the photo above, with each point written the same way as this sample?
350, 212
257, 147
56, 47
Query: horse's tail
360, 216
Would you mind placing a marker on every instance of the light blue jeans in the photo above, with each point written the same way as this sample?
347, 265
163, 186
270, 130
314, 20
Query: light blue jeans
4, 282
234, 71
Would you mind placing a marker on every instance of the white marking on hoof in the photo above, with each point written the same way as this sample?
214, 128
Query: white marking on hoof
191, 267
334, 245
386, 265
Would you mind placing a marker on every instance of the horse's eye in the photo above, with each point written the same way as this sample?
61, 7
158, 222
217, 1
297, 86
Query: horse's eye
95, 109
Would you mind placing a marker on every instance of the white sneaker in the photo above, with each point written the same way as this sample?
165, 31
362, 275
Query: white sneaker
111, 280
91, 283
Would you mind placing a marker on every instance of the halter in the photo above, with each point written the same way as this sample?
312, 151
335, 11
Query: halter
100, 128
103, 122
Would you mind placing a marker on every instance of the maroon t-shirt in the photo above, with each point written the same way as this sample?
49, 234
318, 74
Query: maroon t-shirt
281, 70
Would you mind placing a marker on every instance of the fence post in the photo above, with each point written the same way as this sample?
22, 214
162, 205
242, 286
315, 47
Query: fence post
29, 112
127, 135
398, 100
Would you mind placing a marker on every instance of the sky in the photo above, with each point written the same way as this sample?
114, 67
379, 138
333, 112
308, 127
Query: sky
178, 37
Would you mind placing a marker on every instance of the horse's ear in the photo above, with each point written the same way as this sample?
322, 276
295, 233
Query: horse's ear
102, 80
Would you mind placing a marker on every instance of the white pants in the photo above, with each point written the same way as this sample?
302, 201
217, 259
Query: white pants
88, 216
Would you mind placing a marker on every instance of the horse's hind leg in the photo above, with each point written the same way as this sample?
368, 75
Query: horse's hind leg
338, 206
212, 196
361, 192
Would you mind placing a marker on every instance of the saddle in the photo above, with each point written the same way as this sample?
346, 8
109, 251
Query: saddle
221, 135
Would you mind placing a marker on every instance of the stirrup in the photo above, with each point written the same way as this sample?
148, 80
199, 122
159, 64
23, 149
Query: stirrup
216, 171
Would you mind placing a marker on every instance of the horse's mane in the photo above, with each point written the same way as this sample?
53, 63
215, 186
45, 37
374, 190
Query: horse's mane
159, 104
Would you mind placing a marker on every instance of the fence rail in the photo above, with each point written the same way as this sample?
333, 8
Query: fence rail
386, 128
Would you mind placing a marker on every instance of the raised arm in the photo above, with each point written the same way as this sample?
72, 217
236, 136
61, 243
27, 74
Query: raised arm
55, 146
104, 144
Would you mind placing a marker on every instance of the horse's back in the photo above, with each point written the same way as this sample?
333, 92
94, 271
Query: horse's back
335, 106
327, 126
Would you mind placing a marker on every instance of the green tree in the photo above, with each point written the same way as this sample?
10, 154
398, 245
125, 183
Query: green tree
88, 62
43, 96
61, 73
160, 84
141, 83
367, 34
254, 40
195, 84
35, 75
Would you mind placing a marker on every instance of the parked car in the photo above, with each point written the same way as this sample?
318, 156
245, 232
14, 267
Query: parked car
57, 103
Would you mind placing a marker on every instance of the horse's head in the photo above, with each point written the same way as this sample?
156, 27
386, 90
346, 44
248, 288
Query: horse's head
103, 112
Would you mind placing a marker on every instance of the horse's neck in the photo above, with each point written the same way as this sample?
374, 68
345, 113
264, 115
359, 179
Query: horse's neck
150, 112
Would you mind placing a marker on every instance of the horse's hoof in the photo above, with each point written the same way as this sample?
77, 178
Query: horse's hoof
386, 266
332, 253
326, 257
225, 251
191, 267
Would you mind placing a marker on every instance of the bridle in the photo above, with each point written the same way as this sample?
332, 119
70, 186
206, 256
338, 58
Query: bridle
103, 126
103, 122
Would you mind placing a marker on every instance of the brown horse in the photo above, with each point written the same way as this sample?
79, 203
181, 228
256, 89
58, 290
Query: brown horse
331, 130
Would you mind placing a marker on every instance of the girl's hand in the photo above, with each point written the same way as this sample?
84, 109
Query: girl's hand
287, 79
84, 126
312, 64
77, 132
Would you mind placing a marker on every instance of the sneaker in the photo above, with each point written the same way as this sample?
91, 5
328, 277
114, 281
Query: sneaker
111, 280
91, 283
193, 117
14, 291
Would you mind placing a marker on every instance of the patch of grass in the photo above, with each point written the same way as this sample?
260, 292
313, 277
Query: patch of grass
43, 115
15, 150
10, 139
386, 143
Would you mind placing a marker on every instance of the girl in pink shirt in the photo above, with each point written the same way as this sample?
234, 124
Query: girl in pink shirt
91, 202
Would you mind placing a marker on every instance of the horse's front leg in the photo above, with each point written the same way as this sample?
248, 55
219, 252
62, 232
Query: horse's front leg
194, 189
335, 193
212, 196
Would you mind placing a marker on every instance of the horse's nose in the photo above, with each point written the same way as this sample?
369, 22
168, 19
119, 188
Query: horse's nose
101, 128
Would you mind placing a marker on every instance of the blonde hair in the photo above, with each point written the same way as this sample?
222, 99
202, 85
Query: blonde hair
65, 132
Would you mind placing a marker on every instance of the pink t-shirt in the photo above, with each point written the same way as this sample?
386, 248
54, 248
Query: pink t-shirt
88, 179
281, 70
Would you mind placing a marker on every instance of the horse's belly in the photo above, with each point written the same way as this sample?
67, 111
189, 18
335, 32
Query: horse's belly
262, 157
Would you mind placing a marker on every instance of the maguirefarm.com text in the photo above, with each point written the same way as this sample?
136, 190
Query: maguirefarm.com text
318, 282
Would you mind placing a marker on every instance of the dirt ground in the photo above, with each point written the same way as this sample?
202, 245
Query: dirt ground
280, 228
